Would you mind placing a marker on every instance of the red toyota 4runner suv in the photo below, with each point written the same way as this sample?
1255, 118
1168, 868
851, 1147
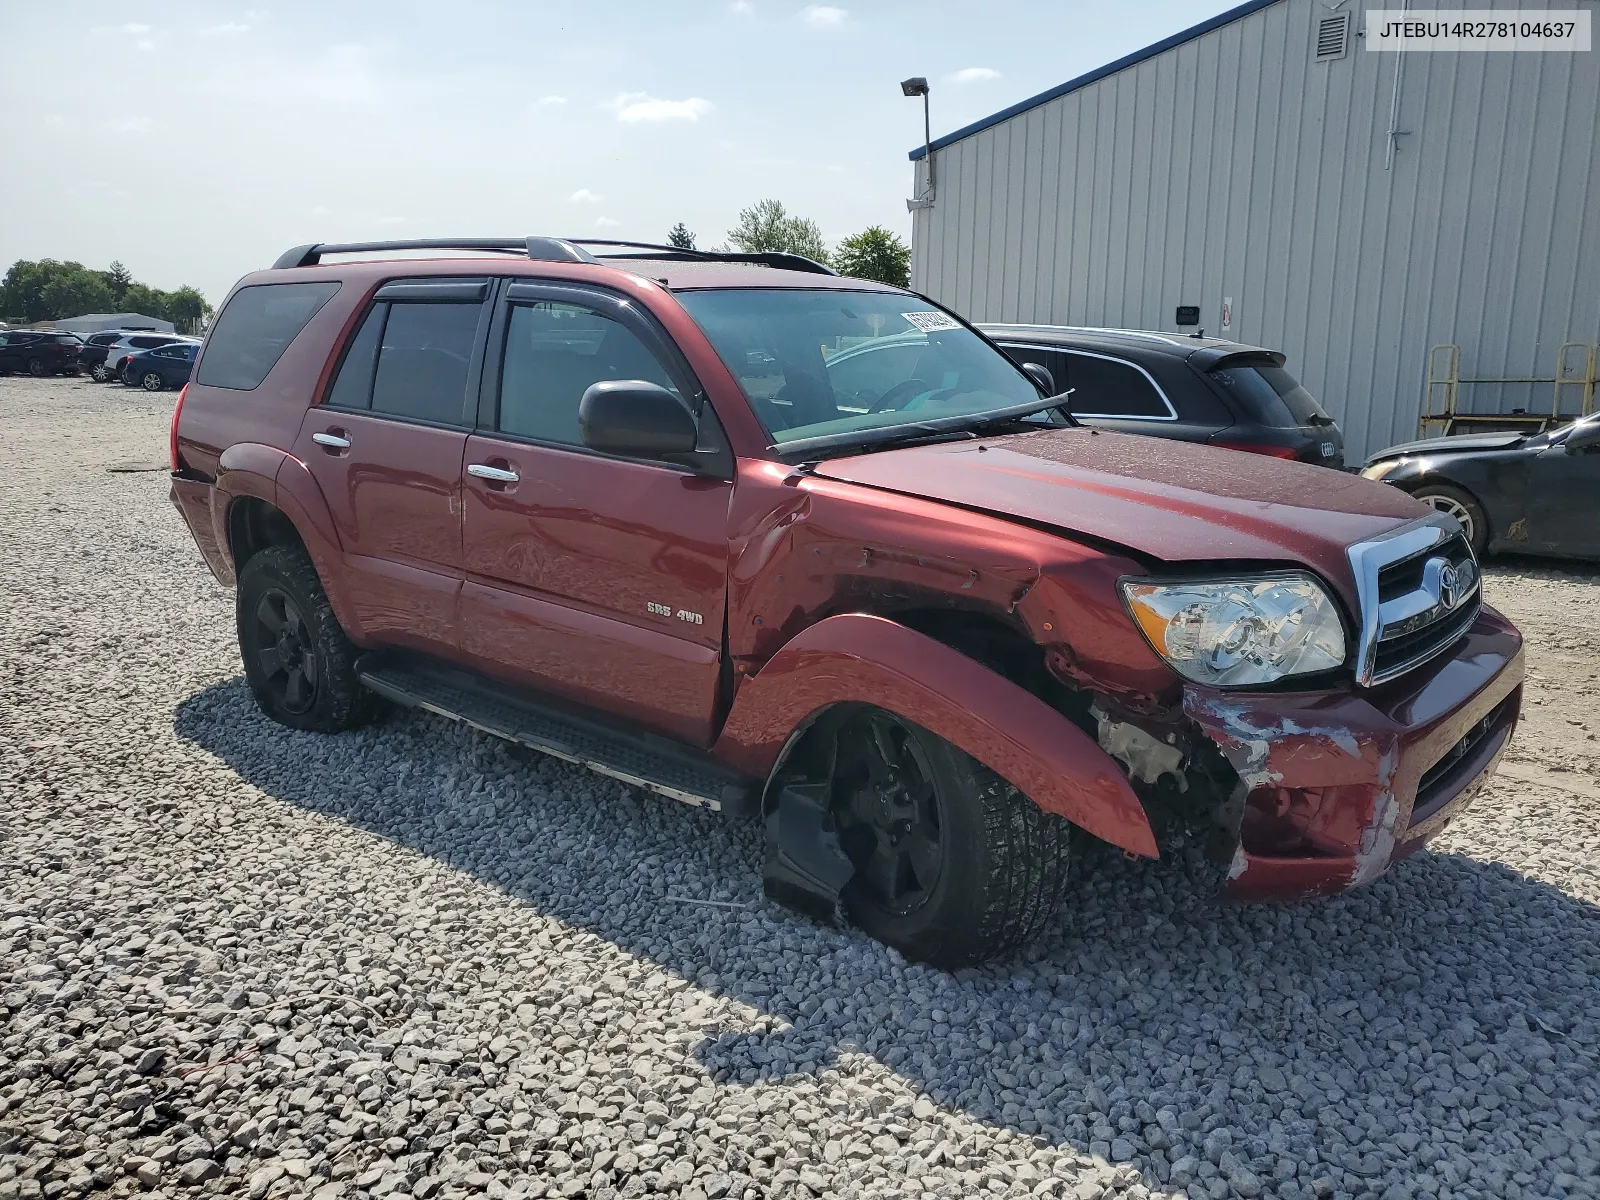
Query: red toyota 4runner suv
757, 537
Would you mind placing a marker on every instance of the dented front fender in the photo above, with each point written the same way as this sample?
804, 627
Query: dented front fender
863, 659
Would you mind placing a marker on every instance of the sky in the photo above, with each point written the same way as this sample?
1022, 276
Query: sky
196, 142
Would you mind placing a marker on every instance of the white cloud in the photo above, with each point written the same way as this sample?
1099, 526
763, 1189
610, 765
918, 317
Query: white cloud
550, 102
131, 125
227, 29
741, 6
132, 29
606, 223
585, 196
639, 106
822, 16
972, 75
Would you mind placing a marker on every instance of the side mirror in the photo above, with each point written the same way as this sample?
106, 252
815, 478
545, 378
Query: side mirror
635, 419
1043, 380
1581, 438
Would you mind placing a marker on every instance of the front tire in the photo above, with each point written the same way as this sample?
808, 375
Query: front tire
37, 369
1461, 505
297, 659
953, 865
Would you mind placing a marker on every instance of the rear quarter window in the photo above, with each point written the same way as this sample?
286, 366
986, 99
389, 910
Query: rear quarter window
1268, 394
256, 328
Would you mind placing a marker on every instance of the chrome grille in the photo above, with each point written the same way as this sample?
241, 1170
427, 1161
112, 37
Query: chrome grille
1419, 590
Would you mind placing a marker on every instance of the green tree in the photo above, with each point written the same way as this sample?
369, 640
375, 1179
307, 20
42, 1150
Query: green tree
875, 253
766, 225
48, 290
680, 237
118, 279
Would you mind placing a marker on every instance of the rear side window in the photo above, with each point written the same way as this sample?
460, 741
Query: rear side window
146, 343
256, 328
1269, 395
423, 358
554, 352
1109, 387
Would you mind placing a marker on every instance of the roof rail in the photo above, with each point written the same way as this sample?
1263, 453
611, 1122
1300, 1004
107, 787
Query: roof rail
549, 249
765, 258
542, 248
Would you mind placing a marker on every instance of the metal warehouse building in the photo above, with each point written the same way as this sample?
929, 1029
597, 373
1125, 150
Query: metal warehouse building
1352, 208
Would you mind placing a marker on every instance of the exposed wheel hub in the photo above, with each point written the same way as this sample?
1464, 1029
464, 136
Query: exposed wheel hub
887, 813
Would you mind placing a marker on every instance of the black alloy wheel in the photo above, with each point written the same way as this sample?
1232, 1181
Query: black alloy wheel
886, 809
286, 652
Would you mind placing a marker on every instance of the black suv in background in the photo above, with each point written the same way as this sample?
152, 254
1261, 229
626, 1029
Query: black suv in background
39, 352
1174, 386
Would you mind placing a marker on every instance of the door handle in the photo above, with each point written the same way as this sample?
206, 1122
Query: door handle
331, 440
495, 474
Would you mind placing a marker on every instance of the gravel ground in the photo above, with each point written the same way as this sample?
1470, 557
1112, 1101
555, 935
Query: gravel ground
415, 961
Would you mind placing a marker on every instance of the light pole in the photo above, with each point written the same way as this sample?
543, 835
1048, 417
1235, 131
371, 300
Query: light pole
918, 86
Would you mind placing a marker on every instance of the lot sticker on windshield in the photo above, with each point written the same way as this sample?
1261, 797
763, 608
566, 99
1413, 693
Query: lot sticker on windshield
928, 322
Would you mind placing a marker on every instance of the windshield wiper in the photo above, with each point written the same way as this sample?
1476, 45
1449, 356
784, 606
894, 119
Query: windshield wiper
972, 424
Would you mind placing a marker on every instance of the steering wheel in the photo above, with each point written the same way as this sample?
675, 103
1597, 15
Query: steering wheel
904, 387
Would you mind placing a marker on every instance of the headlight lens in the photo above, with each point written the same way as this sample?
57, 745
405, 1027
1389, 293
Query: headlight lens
1238, 632
1379, 469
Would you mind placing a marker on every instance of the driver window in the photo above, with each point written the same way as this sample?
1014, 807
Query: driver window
554, 352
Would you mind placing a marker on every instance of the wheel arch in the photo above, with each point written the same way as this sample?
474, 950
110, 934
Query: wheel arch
858, 658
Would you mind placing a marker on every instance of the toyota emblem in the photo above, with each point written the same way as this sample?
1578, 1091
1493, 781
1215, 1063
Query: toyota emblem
1454, 583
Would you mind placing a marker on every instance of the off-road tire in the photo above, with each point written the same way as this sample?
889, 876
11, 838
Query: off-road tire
1005, 866
1478, 535
339, 702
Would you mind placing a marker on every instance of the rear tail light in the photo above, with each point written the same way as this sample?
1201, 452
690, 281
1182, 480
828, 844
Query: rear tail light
1259, 448
172, 438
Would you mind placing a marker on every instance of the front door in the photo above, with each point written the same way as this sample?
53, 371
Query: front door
1564, 515
386, 448
598, 578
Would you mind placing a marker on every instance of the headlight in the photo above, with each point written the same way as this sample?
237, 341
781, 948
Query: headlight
1237, 632
1379, 469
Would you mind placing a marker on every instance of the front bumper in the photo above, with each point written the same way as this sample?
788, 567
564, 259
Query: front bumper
1336, 786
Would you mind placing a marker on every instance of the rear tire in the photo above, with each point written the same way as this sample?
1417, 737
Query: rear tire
1461, 505
953, 865
152, 382
99, 373
297, 659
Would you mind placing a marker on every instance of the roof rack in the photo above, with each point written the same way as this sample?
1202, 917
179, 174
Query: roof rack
549, 249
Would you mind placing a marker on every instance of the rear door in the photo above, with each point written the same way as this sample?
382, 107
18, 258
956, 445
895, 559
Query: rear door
599, 578
386, 445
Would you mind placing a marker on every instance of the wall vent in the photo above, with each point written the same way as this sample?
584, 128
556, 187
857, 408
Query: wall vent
1333, 37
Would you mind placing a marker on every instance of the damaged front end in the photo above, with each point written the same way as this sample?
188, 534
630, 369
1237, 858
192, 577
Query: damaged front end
1308, 793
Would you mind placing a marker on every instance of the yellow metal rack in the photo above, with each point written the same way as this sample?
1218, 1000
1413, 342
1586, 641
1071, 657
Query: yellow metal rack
1573, 370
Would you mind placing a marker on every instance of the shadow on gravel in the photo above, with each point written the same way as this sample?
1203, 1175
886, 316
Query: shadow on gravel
1448, 1010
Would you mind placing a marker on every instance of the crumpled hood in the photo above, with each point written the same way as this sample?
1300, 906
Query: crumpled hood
1167, 500
1452, 445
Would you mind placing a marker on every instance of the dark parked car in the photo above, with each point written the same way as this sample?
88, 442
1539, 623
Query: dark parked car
163, 367
1191, 389
39, 352
638, 511
128, 344
1533, 494
92, 355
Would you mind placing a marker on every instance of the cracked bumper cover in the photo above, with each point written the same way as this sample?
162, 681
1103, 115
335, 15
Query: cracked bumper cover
1338, 785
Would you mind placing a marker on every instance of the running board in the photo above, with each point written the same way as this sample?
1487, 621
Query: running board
642, 759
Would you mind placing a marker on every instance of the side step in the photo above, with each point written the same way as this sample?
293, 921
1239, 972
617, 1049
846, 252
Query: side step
642, 759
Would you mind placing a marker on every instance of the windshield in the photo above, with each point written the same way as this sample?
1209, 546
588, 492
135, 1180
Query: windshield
816, 363
1270, 395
